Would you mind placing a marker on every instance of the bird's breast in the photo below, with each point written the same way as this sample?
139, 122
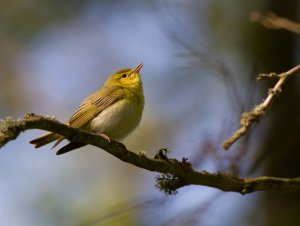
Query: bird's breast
118, 120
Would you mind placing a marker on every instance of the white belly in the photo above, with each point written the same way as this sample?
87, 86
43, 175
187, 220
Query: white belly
118, 120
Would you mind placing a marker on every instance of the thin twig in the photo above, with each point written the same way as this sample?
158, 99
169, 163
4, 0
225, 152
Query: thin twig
175, 173
249, 117
271, 21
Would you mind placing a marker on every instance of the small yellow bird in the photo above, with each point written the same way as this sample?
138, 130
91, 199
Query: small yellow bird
113, 112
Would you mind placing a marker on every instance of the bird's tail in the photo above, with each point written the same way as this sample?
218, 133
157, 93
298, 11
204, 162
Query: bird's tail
69, 147
46, 139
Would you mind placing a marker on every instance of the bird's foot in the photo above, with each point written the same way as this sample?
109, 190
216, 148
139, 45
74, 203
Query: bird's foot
105, 137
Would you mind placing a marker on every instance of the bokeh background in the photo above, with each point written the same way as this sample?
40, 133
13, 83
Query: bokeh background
200, 63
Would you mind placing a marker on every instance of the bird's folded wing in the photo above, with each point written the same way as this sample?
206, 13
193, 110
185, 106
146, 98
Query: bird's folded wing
94, 104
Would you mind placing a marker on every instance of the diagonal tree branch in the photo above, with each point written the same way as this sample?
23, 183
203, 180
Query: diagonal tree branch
175, 174
271, 21
249, 117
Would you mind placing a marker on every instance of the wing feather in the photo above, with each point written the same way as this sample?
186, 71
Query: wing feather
94, 104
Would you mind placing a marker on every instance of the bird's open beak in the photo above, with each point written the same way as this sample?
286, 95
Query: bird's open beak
138, 68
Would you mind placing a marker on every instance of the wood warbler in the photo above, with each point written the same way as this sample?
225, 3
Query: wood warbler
113, 112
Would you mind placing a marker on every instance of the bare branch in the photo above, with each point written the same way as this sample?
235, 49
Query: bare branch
176, 173
249, 117
272, 21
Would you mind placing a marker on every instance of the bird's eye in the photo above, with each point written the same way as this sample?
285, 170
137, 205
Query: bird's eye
124, 76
